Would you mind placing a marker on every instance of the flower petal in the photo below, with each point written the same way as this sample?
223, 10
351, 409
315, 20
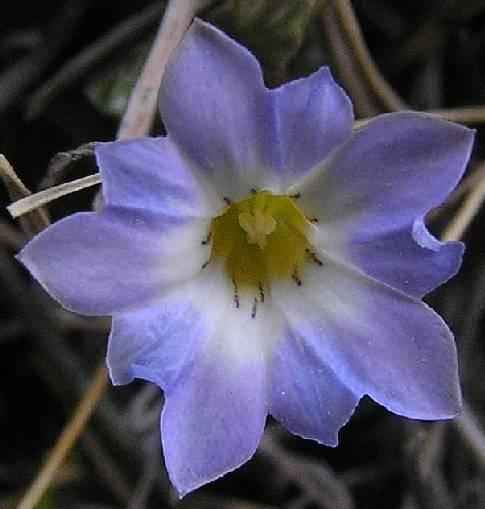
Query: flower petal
150, 173
377, 341
213, 421
104, 262
214, 413
313, 116
387, 176
411, 260
215, 106
153, 343
305, 395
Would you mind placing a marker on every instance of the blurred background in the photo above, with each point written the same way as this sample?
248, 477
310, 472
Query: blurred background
66, 71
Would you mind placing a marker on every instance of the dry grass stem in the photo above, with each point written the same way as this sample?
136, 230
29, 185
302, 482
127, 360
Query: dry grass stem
469, 429
142, 105
38, 219
377, 83
34, 201
463, 115
471, 205
66, 440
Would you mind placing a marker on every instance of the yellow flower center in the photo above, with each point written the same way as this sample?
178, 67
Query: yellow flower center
260, 239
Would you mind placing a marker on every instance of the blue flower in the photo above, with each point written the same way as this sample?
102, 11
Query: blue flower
264, 258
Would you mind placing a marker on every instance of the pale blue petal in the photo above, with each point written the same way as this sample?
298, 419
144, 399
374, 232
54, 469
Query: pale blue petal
411, 259
305, 395
313, 117
375, 188
216, 108
99, 263
153, 343
150, 173
377, 341
213, 418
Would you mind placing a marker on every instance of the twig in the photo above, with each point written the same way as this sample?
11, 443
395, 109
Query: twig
465, 423
379, 86
207, 499
327, 491
11, 236
76, 68
59, 360
61, 160
148, 477
348, 72
463, 115
142, 104
471, 433
371, 473
66, 440
466, 185
38, 219
141, 108
470, 207
430, 450
25, 205
21, 75
107, 469
34, 201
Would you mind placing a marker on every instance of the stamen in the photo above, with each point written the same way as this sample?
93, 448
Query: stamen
204, 265
314, 257
296, 279
236, 295
314, 220
258, 239
227, 200
207, 239
255, 308
296, 196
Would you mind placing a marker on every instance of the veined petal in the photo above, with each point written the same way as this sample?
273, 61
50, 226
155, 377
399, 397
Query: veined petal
212, 422
305, 395
313, 116
98, 263
390, 172
377, 340
153, 343
216, 108
214, 414
375, 188
411, 259
150, 173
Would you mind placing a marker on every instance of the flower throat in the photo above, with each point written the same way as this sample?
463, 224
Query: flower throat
260, 239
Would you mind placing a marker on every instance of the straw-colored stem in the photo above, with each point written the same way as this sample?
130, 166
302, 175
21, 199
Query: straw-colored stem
136, 122
142, 105
469, 429
34, 201
466, 213
377, 83
463, 115
66, 440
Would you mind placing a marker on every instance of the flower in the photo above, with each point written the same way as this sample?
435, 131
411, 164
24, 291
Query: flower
264, 258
